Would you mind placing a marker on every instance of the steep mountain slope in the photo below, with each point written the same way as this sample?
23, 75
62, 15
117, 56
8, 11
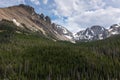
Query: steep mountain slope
26, 18
63, 31
93, 33
114, 29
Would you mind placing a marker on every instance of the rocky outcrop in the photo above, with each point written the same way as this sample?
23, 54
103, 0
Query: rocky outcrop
94, 33
97, 33
25, 17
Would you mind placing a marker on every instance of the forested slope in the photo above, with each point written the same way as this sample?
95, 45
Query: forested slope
26, 56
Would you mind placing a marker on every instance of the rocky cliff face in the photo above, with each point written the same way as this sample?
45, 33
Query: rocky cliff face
97, 33
93, 33
26, 18
114, 29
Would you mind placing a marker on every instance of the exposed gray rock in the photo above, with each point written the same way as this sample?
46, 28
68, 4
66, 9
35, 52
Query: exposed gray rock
94, 33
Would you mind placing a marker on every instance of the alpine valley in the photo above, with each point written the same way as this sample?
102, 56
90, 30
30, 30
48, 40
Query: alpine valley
32, 47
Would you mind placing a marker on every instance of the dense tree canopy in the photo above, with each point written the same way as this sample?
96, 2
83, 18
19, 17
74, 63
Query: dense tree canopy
30, 57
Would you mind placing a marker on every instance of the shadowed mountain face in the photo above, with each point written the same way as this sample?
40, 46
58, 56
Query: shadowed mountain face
26, 18
93, 33
114, 29
97, 33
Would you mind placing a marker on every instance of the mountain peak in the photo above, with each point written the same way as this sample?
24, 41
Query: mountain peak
114, 29
27, 19
23, 5
27, 8
96, 27
95, 32
114, 26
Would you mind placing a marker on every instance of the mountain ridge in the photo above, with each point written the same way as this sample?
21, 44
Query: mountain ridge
97, 32
25, 17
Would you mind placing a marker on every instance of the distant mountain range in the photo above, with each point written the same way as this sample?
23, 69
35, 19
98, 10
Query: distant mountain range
26, 18
97, 33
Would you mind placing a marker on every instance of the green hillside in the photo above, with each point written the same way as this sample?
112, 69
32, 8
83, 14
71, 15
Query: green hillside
31, 57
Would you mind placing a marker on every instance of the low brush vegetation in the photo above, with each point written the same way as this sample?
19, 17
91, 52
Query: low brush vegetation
30, 57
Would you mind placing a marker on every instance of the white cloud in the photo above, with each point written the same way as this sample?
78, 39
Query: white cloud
104, 17
86, 13
76, 14
37, 2
70, 7
45, 1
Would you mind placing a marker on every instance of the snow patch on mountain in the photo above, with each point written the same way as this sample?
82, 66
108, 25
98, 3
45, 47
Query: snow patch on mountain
15, 22
97, 33
94, 33
69, 37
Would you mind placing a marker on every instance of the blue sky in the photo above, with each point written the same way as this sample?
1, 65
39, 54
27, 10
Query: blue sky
75, 15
